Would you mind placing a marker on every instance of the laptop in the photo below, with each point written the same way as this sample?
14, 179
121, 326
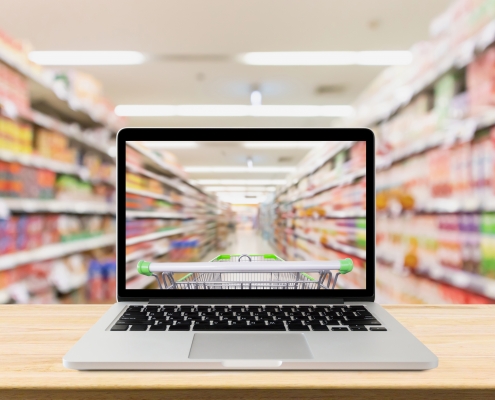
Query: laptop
257, 254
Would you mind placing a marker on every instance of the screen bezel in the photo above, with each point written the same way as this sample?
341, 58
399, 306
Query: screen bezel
243, 296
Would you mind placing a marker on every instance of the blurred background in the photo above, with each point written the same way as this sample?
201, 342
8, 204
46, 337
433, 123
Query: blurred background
420, 73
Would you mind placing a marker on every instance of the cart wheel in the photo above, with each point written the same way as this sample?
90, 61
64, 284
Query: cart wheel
244, 255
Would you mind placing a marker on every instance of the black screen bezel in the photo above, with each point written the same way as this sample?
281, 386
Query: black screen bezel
240, 296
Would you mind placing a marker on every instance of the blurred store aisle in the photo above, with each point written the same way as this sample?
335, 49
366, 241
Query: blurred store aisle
244, 241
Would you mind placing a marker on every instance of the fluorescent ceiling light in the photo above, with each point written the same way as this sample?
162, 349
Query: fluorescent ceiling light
281, 145
240, 169
239, 188
241, 181
86, 57
327, 58
211, 110
165, 144
256, 98
240, 194
241, 200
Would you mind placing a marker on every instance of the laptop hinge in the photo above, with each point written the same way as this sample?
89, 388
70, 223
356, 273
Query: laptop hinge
243, 301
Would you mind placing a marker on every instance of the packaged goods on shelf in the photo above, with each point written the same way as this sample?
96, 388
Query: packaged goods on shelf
444, 180
101, 282
26, 232
14, 91
15, 136
56, 281
185, 249
137, 227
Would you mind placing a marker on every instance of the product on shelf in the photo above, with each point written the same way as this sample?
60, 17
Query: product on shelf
15, 137
14, 90
31, 231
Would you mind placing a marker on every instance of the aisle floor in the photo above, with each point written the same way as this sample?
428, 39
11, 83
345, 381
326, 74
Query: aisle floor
245, 241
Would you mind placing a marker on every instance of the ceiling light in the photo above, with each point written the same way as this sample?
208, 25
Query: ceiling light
239, 188
240, 169
327, 58
165, 144
281, 145
211, 110
241, 181
86, 57
256, 98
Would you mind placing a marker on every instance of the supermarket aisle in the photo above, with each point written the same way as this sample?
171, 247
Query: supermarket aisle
246, 241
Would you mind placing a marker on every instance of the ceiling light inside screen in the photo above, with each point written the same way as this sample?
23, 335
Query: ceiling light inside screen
256, 98
87, 57
211, 110
327, 58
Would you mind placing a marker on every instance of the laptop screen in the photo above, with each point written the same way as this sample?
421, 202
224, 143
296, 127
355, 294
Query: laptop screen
245, 215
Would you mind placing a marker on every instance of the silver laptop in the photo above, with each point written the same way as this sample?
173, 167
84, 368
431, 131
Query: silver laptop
258, 254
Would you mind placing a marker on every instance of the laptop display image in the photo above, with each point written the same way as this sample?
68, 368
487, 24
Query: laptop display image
270, 222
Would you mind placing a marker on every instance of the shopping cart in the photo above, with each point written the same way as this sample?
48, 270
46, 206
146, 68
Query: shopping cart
247, 271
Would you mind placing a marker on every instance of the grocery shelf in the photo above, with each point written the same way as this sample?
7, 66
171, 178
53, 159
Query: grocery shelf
137, 255
464, 54
353, 251
152, 195
167, 181
57, 206
55, 250
32, 160
70, 130
453, 206
458, 278
460, 130
156, 214
59, 98
4, 296
157, 235
338, 214
320, 161
346, 179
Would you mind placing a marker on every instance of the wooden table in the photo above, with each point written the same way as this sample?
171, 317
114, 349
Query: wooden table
34, 338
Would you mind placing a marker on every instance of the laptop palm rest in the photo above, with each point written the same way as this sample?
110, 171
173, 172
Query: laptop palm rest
250, 346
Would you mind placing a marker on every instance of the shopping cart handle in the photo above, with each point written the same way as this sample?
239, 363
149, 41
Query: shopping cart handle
342, 266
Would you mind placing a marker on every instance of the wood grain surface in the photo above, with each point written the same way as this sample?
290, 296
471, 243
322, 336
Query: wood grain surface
33, 339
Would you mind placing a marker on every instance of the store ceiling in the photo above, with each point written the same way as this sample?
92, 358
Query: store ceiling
234, 186
202, 30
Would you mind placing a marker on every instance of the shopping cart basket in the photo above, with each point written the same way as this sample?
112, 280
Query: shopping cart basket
247, 271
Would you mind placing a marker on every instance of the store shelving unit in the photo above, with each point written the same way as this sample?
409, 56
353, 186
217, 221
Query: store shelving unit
36, 97
56, 250
434, 122
191, 223
303, 219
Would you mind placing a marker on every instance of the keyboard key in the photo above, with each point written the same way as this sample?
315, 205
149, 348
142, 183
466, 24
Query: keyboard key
298, 327
331, 323
319, 328
339, 329
140, 322
179, 327
158, 327
361, 322
379, 328
358, 328
139, 327
119, 327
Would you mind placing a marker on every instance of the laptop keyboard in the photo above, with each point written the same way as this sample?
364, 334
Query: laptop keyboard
247, 318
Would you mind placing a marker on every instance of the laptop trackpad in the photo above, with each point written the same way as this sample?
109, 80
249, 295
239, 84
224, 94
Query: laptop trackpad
250, 346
